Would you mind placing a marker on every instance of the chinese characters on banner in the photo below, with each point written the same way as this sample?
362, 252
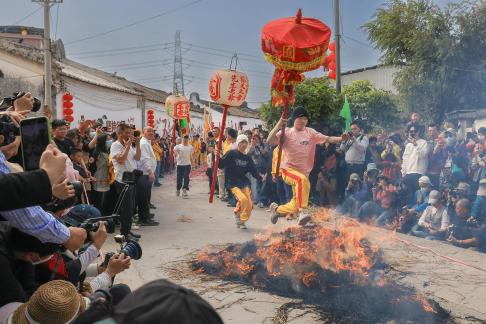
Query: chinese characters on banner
181, 110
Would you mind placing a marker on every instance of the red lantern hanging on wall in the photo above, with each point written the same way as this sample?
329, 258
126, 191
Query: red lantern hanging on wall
229, 89
67, 105
150, 118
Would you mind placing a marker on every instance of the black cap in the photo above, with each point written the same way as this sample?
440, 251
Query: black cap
162, 301
299, 111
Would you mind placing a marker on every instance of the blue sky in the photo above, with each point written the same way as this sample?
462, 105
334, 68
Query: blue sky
223, 26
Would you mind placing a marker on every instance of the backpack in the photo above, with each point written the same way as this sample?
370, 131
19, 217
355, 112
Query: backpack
111, 171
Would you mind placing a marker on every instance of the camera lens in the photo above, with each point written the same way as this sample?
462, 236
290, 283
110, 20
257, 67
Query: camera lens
133, 250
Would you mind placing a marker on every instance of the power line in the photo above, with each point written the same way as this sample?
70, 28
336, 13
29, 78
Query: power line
24, 18
125, 53
223, 55
225, 51
357, 41
140, 21
121, 49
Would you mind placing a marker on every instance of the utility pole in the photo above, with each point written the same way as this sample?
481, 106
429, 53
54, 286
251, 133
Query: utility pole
47, 52
337, 39
178, 84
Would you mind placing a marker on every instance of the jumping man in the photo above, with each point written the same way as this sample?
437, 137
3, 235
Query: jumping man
298, 159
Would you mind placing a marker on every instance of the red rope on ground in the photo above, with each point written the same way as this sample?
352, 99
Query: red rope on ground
439, 255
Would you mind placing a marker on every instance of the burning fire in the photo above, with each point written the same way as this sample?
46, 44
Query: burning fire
329, 266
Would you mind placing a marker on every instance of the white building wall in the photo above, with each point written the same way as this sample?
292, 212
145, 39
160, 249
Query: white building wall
31, 72
93, 102
381, 77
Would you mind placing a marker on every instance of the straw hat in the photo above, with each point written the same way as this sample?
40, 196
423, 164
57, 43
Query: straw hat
55, 302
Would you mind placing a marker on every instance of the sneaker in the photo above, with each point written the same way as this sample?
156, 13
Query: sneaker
135, 227
184, 193
237, 220
152, 206
130, 237
243, 226
303, 218
149, 223
157, 184
178, 193
261, 205
273, 210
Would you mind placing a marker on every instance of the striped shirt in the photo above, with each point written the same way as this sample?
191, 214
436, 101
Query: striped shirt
34, 220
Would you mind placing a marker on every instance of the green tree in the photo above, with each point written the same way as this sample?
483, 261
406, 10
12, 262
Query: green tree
441, 51
376, 108
320, 99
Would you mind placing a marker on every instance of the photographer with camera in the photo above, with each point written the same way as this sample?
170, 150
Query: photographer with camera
355, 148
125, 153
19, 252
414, 160
147, 165
466, 234
25, 189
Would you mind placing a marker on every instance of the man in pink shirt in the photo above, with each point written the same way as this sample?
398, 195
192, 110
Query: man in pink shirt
298, 159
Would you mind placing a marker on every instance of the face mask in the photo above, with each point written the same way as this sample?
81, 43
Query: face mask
42, 260
108, 143
92, 134
481, 137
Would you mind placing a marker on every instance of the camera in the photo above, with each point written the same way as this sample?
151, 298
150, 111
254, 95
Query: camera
131, 177
92, 224
101, 294
9, 102
57, 204
136, 133
8, 130
129, 248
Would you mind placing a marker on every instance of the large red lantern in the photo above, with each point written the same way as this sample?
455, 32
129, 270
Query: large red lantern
294, 45
67, 105
229, 89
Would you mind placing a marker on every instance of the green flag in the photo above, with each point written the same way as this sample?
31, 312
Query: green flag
346, 114
183, 123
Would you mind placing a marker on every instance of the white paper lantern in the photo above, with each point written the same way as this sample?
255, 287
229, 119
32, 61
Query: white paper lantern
228, 87
177, 106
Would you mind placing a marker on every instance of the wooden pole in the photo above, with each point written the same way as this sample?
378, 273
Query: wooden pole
285, 115
172, 147
220, 144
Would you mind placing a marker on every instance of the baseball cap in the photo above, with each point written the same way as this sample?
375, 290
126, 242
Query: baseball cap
425, 180
371, 167
241, 138
434, 197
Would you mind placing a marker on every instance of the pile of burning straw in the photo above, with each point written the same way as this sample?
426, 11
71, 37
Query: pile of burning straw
339, 272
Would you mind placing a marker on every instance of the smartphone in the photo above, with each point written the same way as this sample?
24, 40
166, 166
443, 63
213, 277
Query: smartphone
35, 134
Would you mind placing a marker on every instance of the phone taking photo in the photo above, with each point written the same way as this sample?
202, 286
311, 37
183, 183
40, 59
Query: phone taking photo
35, 135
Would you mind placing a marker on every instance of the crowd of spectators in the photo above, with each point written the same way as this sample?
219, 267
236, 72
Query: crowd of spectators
55, 220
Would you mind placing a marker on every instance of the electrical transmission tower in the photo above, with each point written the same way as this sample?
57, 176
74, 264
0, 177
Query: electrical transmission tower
178, 86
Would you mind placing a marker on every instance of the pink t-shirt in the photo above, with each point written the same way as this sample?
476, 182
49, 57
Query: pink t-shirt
299, 148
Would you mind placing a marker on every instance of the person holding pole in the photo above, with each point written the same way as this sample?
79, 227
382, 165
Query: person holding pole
298, 159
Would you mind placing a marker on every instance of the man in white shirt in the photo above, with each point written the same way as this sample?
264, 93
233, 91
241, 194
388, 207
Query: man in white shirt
355, 151
183, 155
415, 160
125, 157
147, 165
434, 222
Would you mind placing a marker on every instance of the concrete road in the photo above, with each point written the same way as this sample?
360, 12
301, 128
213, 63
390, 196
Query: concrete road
188, 225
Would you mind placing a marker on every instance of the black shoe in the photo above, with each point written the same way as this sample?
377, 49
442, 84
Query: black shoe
152, 206
149, 223
134, 235
151, 215
157, 184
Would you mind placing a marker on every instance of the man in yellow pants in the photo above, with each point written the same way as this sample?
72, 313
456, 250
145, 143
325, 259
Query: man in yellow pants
196, 145
298, 159
236, 165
